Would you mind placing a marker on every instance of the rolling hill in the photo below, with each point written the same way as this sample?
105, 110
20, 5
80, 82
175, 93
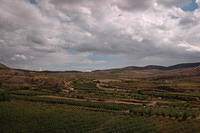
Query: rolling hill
153, 67
129, 68
2, 66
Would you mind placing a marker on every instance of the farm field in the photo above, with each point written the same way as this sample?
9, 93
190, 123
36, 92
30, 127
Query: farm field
116, 100
31, 117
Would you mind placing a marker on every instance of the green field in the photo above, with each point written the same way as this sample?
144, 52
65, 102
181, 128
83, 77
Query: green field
100, 102
28, 117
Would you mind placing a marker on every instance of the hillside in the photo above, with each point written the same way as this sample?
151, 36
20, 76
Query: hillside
2, 66
184, 65
153, 67
132, 99
129, 68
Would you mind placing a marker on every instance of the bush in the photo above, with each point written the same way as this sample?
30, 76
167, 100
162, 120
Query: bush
24, 87
185, 116
4, 96
16, 86
59, 90
80, 97
140, 92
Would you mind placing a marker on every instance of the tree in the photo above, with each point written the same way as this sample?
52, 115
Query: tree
140, 92
59, 90
185, 116
4, 96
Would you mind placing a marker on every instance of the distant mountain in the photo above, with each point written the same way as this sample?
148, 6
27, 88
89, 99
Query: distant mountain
184, 65
129, 68
73, 71
149, 67
2, 66
46, 71
153, 67
178, 66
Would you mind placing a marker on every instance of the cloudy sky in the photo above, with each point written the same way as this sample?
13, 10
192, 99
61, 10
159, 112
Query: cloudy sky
97, 34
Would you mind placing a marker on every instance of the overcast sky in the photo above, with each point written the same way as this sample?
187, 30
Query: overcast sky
97, 34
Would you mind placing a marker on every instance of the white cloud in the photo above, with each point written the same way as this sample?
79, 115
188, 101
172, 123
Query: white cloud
143, 31
198, 2
19, 57
87, 61
190, 47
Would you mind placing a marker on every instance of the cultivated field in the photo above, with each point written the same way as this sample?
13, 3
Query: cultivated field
116, 100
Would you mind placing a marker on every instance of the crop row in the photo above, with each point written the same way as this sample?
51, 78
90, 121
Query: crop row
169, 112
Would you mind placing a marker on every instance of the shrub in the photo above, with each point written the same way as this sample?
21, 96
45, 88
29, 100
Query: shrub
24, 87
140, 92
4, 96
185, 116
80, 97
193, 116
59, 90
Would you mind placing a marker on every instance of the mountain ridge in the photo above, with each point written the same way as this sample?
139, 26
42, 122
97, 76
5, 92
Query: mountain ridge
177, 66
155, 67
148, 67
2, 66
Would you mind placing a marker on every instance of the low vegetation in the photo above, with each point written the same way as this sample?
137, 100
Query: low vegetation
141, 101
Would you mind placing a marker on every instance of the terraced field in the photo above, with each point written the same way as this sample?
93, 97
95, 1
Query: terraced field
142, 101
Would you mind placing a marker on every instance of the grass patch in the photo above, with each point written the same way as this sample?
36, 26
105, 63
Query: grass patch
35, 118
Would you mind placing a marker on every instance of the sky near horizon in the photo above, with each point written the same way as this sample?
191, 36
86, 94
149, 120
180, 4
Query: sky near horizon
98, 34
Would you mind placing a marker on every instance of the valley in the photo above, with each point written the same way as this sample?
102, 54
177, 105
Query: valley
148, 99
